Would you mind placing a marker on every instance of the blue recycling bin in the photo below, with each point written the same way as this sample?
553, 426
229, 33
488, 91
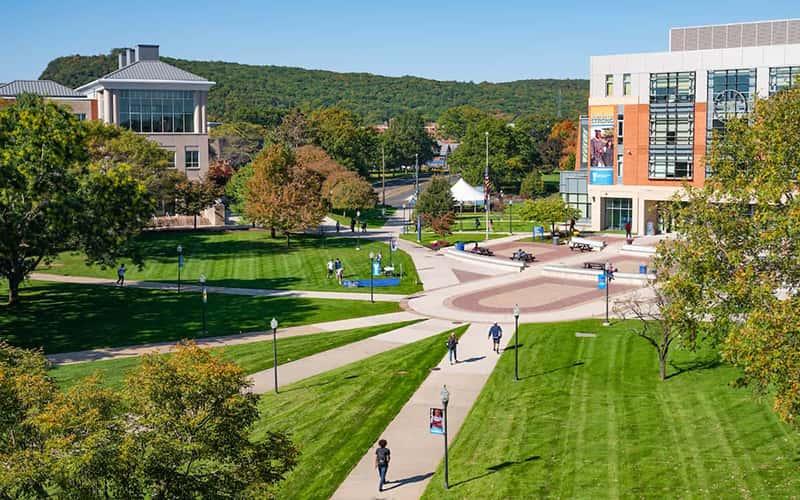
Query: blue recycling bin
460, 246
642, 268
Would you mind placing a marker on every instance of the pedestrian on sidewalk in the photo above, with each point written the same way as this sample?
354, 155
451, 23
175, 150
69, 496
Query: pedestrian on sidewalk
452, 343
352, 225
496, 333
330, 268
364, 227
382, 458
337, 227
477, 223
628, 228
121, 275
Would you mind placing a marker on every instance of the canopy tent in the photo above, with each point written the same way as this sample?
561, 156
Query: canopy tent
464, 193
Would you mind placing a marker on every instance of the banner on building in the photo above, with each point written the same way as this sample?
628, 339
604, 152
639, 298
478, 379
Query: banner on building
436, 422
601, 176
601, 132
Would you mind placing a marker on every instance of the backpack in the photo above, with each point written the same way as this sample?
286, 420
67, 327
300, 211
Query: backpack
383, 455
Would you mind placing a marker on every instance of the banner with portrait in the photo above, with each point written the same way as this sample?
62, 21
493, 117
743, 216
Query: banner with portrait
436, 421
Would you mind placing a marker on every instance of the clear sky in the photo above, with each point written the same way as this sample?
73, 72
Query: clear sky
447, 40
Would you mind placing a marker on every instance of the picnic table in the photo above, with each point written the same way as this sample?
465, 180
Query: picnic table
524, 257
585, 244
594, 265
482, 251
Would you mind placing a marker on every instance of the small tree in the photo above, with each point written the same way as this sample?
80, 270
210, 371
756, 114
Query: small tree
436, 200
192, 197
532, 185
548, 211
351, 192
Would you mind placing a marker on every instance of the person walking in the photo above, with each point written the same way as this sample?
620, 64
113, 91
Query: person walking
382, 458
452, 343
352, 225
121, 275
340, 275
477, 223
337, 227
364, 227
628, 228
330, 268
496, 333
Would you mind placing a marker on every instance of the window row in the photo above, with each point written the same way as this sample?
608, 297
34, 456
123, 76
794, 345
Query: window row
783, 78
159, 111
671, 164
672, 87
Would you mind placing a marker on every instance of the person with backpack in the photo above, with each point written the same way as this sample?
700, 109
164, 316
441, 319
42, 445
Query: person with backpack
382, 458
330, 268
496, 333
121, 275
337, 227
452, 342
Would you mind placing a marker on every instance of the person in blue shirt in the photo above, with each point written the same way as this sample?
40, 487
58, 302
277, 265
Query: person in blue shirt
496, 333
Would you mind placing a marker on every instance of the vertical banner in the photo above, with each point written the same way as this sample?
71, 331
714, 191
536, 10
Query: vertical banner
376, 268
436, 421
180, 261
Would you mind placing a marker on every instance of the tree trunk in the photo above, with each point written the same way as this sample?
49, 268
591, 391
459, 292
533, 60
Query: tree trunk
13, 289
662, 366
272, 232
195, 221
287, 239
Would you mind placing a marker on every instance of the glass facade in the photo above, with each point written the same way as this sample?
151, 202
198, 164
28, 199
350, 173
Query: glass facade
157, 111
783, 78
730, 95
672, 97
617, 212
574, 192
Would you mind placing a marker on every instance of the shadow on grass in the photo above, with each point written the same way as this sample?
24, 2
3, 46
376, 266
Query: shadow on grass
511, 347
695, 365
547, 372
497, 468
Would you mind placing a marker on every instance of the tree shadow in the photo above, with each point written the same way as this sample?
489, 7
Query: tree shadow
497, 468
694, 365
547, 372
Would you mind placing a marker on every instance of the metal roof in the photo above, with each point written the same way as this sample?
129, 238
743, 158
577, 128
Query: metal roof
152, 70
45, 88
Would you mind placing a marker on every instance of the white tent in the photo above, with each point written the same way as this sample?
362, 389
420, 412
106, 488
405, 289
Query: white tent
464, 193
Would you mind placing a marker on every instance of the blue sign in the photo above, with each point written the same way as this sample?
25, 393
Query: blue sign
538, 231
601, 281
601, 176
376, 268
180, 260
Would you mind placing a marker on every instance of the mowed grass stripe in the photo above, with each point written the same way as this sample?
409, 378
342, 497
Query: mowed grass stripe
612, 379
565, 486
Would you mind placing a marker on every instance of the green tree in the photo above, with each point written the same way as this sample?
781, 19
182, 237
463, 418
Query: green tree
350, 192
192, 197
509, 156
237, 142
436, 199
453, 122
236, 189
738, 259
406, 137
340, 133
548, 211
52, 198
293, 129
532, 185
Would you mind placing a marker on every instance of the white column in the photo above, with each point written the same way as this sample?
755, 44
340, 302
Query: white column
107, 106
640, 225
114, 107
203, 116
197, 113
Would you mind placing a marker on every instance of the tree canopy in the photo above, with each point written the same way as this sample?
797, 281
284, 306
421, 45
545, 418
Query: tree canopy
548, 211
405, 138
341, 134
55, 196
737, 261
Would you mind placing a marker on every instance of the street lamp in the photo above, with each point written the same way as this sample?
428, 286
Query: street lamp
205, 300
405, 219
608, 275
416, 196
180, 265
358, 234
487, 196
516, 341
371, 276
445, 399
274, 325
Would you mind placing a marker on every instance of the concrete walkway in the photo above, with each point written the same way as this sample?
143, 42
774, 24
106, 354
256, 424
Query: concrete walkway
415, 452
293, 371
250, 292
245, 338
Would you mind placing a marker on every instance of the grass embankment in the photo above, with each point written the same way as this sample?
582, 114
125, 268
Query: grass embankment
335, 417
252, 357
248, 259
590, 419
61, 317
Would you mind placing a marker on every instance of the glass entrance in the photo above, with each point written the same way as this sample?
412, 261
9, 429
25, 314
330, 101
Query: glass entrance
617, 213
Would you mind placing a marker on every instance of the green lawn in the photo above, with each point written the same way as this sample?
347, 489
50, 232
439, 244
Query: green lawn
589, 419
428, 237
374, 217
252, 357
335, 417
500, 220
248, 259
62, 317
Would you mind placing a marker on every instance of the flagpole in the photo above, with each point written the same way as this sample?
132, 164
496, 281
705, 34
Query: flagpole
487, 196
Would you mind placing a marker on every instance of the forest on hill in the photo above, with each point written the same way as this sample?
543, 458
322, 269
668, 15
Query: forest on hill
262, 94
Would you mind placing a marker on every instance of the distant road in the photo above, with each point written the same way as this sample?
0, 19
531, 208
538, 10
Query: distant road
398, 190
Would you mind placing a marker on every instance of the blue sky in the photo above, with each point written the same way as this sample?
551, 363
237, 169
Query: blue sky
447, 40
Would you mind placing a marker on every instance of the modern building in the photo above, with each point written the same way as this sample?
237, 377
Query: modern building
153, 98
652, 116
83, 107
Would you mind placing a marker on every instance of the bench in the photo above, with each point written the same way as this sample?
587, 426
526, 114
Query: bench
527, 258
594, 265
585, 244
482, 251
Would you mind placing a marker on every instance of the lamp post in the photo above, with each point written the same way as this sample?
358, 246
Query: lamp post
416, 196
274, 325
405, 219
516, 341
180, 265
445, 399
383, 172
510, 216
358, 227
205, 300
371, 276
486, 185
608, 274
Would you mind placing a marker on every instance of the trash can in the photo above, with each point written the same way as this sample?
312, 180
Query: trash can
460, 246
555, 240
642, 268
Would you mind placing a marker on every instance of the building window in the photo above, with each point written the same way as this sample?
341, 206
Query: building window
80, 116
157, 111
620, 170
574, 192
618, 212
192, 159
731, 94
671, 125
173, 157
626, 84
783, 78
609, 85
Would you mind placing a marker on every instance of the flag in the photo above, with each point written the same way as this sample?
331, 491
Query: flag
487, 185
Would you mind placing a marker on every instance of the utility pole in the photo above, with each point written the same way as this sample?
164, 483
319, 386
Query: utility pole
486, 186
416, 196
383, 172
